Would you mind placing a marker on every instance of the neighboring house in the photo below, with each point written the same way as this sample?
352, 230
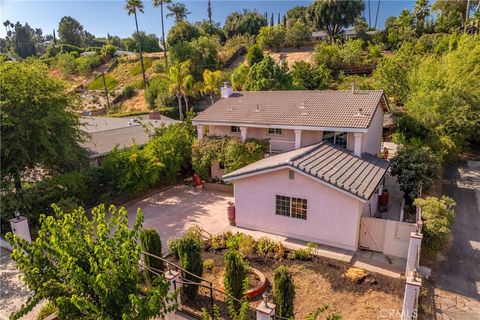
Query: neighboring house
106, 133
327, 174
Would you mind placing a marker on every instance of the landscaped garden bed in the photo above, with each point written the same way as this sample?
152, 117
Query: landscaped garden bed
318, 281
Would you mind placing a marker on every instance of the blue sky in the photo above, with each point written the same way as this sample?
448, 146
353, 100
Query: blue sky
100, 17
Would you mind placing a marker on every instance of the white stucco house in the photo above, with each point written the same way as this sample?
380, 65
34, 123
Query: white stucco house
323, 173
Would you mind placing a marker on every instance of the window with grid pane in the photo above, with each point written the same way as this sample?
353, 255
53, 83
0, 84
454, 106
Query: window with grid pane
235, 129
275, 131
338, 138
282, 205
299, 208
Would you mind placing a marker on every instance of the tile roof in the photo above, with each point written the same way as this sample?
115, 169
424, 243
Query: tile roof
328, 163
318, 108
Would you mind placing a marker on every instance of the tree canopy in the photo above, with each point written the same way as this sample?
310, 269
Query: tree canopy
38, 127
71, 31
88, 268
246, 22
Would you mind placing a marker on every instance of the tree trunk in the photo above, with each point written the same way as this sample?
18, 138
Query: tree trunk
180, 113
211, 98
163, 38
18, 182
140, 51
186, 103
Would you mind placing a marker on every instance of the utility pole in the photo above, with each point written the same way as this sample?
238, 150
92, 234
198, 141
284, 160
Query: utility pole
106, 90
467, 15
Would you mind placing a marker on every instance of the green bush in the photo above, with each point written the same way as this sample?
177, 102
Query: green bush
97, 84
108, 52
157, 94
283, 292
329, 55
150, 243
235, 280
46, 311
265, 247
66, 63
438, 216
128, 91
86, 64
67, 48
300, 254
208, 264
189, 253
272, 37
74, 54
232, 152
137, 68
254, 55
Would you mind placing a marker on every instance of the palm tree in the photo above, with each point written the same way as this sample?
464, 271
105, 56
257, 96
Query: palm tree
179, 11
178, 78
159, 3
212, 82
6, 24
421, 12
132, 6
209, 11
191, 89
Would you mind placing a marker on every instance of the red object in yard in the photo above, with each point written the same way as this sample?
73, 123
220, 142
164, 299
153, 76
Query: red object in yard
231, 212
383, 200
197, 180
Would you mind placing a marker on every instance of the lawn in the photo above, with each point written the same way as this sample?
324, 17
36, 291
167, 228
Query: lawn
97, 84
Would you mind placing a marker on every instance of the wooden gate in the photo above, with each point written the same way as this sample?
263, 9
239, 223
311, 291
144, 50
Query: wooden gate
372, 234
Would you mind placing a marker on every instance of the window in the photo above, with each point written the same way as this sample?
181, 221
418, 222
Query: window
291, 207
338, 138
275, 131
235, 129
291, 174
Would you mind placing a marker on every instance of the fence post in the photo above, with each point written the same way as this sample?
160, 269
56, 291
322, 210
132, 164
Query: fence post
413, 256
410, 300
265, 310
173, 277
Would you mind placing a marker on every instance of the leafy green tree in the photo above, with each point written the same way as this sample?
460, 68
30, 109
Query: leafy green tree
179, 11
189, 253
159, 3
211, 29
403, 30
351, 53
272, 37
451, 14
414, 168
148, 42
157, 94
108, 52
212, 81
132, 6
235, 280
297, 34
254, 55
66, 63
392, 73
21, 39
421, 12
308, 77
329, 55
239, 77
150, 243
87, 267
333, 15
283, 292
178, 78
295, 14
267, 75
50, 138
438, 216
246, 22
182, 31
444, 95
70, 31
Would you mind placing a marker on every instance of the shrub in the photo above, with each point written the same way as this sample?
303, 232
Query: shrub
137, 68
438, 216
351, 53
308, 77
97, 84
278, 250
271, 37
297, 34
66, 63
150, 243
283, 292
235, 280
254, 55
300, 254
86, 64
189, 254
246, 245
157, 94
128, 91
46, 310
265, 247
208, 264
329, 55
108, 52
217, 241
74, 54
239, 77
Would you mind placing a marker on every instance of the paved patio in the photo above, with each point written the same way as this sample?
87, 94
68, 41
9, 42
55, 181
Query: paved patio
395, 198
174, 210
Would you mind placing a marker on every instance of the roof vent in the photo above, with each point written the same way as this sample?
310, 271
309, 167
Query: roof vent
257, 109
353, 87
360, 113
304, 113
302, 104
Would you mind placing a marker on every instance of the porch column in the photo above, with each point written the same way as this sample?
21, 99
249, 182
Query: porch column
298, 139
357, 145
413, 255
200, 131
243, 133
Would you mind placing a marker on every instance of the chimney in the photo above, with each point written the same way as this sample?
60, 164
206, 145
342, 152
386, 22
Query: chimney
226, 90
353, 87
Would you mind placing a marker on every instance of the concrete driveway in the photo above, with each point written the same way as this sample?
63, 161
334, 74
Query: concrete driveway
174, 210
458, 276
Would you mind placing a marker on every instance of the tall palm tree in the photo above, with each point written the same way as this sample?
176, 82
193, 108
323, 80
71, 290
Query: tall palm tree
179, 11
178, 80
6, 24
421, 11
191, 89
209, 11
132, 6
212, 82
159, 3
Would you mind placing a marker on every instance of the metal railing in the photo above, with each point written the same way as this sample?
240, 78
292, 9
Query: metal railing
203, 283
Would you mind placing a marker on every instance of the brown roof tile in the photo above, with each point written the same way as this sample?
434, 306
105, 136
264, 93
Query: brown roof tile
326, 108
